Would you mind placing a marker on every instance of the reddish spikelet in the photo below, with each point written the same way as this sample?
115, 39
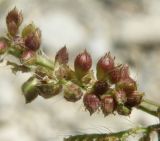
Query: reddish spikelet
91, 102
82, 64
104, 66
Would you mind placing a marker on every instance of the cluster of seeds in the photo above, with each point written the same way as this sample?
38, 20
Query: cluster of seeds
111, 90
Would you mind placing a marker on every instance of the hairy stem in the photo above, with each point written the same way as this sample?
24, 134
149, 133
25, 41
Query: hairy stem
122, 135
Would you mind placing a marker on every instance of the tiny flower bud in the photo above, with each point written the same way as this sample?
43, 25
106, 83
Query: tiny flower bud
123, 110
82, 64
29, 89
100, 87
108, 104
104, 66
32, 37
72, 92
62, 56
3, 45
14, 20
91, 102
120, 97
28, 57
48, 90
134, 99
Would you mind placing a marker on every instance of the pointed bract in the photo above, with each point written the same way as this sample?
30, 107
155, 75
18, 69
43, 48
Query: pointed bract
62, 56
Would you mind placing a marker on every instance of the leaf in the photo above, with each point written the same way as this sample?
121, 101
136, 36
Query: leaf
62, 56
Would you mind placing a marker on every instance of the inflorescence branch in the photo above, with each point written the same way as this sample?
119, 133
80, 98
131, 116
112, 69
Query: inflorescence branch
112, 91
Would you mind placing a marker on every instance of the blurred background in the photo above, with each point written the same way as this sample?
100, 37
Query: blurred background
129, 29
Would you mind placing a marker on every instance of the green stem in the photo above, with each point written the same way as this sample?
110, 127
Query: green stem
40, 60
122, 135
149, 107
45, 62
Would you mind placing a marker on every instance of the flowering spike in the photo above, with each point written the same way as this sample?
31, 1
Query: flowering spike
62, 56
14, 20
82, 64
91, 102
104, 66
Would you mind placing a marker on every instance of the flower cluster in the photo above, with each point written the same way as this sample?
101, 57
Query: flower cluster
114, 89
111, 90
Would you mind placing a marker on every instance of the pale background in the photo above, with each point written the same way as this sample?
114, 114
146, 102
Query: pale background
129, 29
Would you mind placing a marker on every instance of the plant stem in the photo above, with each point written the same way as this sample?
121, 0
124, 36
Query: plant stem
149, 107
45, 62
40, 59
122, 135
